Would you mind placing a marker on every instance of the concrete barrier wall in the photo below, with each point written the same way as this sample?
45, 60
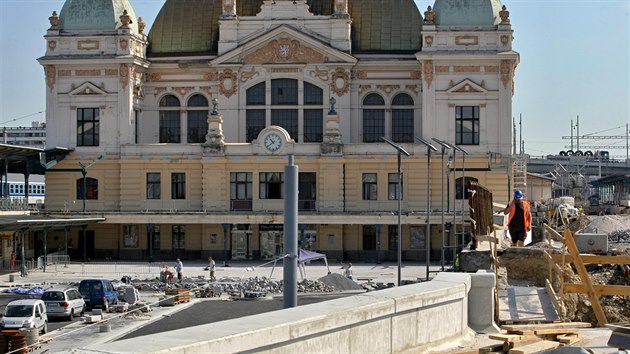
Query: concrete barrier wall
409, 318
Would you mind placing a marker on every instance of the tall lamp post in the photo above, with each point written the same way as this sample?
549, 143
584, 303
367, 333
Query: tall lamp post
225, 231
427, 235
445, 147
398, 197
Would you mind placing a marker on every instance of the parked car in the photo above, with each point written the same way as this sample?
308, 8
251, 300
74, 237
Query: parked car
63, 302
98, 293
28, 313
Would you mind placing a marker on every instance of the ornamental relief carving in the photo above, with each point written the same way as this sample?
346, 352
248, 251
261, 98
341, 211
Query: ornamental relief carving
111, 72
285, 70
467, 68
183, 91
64, 73
412, 88
442, 68
206, 89
340, 82
506, 70
124, 75
211, 76
248, 75
505, 39
88, 44
388, 88
51, 76
321, 74
427, 72
124, 44
88, 72
227, 83
364, 88
428, 40
52, 45
491, 69
416, 74
284, 50
158, 90
359, 74
154, 77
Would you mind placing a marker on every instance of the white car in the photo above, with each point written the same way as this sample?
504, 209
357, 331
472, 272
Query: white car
63, 302
29, 313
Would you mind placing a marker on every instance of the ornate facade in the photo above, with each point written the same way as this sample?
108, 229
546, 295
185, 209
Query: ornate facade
195, 120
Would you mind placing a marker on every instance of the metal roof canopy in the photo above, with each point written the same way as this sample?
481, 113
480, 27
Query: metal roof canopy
39, 222
23, 159
612, 179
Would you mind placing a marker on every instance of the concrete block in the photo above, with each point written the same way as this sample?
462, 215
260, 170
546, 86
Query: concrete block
481, 302
93, 318
591, 242
472, 261
97, 312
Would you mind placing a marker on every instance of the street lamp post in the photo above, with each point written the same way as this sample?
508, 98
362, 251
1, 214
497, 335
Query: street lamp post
400, 151
225, 231
464, 153
427, 235
444, 146
84, 169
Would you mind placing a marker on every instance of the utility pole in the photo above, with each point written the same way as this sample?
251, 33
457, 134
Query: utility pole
513, 136
577, 126
520, 128
571, 134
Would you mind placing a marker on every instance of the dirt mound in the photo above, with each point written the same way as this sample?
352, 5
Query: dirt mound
339, 282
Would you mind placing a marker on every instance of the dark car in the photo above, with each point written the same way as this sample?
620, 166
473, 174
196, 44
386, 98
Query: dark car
98, 293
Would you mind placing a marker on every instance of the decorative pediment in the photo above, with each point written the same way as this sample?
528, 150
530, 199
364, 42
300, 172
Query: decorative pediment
87, 89
284, 45
467, 86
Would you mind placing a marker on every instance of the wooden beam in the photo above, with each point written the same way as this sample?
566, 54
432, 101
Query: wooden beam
535, 347
594, 259
600, 290
553, 297
586, 279
547, 326
483, 238
553, 232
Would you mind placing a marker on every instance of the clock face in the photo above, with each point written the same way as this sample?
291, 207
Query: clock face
273, 142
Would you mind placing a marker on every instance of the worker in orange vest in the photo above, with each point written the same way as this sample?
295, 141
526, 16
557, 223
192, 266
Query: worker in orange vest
519, 219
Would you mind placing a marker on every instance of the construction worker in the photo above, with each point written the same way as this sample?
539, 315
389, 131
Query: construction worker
519, 219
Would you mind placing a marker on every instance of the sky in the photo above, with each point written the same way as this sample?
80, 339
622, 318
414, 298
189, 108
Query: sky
574, 61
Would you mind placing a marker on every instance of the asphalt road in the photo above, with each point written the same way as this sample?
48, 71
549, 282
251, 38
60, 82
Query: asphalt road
213, 311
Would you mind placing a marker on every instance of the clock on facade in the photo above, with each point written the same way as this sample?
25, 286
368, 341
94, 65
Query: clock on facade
273, 142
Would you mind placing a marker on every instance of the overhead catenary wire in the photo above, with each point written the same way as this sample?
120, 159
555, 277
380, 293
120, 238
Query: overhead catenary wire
22, 117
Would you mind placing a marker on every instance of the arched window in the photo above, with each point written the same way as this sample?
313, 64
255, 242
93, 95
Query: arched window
458, 186
91, 190
373, 118
313, 117
284, 100
255, 116
197, 119
170, 125
402, 118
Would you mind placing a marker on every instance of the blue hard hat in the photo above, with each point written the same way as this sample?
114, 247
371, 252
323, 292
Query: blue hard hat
518, 194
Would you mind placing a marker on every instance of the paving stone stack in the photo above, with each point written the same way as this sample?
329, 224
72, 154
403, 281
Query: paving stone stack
619, 236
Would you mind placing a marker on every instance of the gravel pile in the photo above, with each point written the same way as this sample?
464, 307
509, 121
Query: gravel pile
607, 224
339, 282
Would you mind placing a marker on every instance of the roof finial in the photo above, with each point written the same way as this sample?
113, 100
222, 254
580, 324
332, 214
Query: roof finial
54, 20
429, 16
505, 16
125, 19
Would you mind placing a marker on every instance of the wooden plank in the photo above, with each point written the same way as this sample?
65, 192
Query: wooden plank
553, 232
491, 349
594, 259
569, 338
586, 280
535, 347
556, 331
522, 343
490, 239
600, 290
506, 337
552, 296
547, 326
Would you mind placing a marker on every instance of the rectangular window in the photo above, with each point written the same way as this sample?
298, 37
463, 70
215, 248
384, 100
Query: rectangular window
467, 125
130, 236
136, 115
369, 237
373, 125
392, 237
402, 125
313, 125
288, 119
154, 185
307, 190
197, 126
178, 186
179, 237
88, 126
270, 185
254, 123
156, 237
241, 190
392, 187
370, 186
169, 127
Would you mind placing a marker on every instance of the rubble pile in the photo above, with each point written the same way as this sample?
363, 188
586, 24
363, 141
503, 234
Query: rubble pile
607, 224
339, 282
619, 236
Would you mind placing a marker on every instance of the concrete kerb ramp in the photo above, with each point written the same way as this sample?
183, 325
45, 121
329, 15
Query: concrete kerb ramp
411, 318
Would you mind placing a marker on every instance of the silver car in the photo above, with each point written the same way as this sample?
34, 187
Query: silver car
27, 313
63, 302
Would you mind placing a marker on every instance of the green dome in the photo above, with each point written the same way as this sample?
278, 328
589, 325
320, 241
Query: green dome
467, 12
77, 15
192, 26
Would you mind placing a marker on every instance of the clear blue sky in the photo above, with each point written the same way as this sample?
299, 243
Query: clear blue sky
574, 61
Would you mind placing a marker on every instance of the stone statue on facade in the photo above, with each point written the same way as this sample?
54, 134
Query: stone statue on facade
341, 8
429, 16
229, 8
141, 25
54, 20
504, 14
215, 140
